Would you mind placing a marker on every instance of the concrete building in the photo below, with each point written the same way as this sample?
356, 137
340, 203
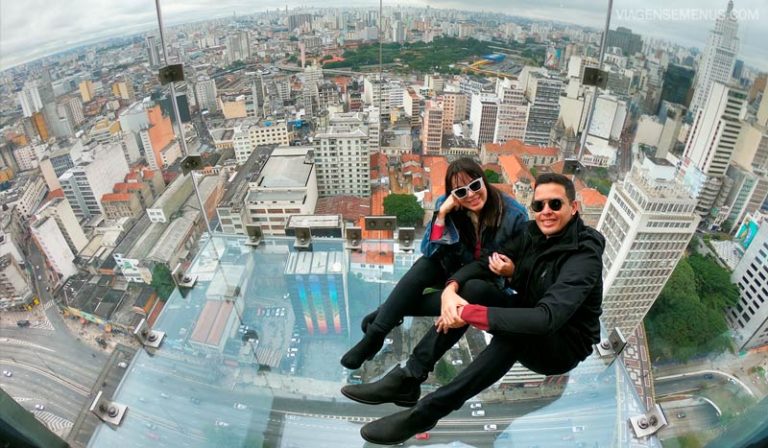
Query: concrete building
342, 156
53, 245
512, 117
61, 212
544, 95
454, 109
171, 200
87, 90
749, 318
745, 191
483, 114
432, 130
29, 99
121, 205
31, 191
157, 138
25, 158
14, 284
205, 94
710, 146
286, 186
718, 59
251, 133
648, 222
93, 176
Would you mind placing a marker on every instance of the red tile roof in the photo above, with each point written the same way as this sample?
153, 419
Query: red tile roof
590, 197
116, 197
520, 148
514, 168
351, 208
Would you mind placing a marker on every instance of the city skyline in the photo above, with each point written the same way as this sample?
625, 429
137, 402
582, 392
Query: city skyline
25, 38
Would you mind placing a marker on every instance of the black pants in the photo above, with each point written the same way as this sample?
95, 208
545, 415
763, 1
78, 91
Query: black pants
407, 298
545, 354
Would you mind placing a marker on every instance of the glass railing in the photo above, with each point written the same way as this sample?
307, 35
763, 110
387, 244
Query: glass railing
250, 358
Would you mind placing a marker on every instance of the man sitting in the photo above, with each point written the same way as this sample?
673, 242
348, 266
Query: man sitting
549, 326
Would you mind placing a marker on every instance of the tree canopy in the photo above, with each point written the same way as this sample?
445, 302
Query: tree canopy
162, 281
688, 318
493, 176
405, 207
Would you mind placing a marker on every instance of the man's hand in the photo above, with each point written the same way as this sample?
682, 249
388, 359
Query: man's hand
450, 302
501, 265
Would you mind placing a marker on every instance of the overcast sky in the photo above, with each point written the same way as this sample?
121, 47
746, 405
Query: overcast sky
33, 28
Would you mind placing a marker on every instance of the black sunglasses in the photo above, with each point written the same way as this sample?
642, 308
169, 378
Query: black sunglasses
474, 186
554, 205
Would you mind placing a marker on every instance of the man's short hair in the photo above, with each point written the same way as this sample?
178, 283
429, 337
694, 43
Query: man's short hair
555, 178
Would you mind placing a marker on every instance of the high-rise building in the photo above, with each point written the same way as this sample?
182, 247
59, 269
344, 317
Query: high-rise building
87, 90
297, 20
286, 186
156, 137
677, 84
205, 95
432, 130
94, 176
52, 243
454, 109
625, 39
342, 156
512, 117
14, 283
60, 211
647, 223
482, 115
745, 191
251, 133
749, 318
719, 57
710, 146
29, 99
398, 32
123, 90
238, 46
544, 96
153, 51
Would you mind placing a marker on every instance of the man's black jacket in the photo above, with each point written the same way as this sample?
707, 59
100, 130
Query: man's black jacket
558, 282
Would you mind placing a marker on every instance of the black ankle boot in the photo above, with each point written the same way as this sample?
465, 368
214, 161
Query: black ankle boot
364, 350
397, 428
395, 387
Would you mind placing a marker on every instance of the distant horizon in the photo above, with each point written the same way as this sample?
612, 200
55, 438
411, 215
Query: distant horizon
145, 21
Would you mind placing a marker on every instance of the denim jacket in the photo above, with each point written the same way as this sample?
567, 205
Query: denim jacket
453, 255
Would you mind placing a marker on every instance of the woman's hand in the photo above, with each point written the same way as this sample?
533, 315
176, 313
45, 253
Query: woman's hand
450, 204
450, 304
501, 265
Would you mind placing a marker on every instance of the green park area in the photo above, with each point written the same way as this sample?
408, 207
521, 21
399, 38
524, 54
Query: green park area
437, 56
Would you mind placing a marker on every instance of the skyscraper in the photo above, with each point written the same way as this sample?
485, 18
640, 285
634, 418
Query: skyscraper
647, 225
512, 117
545, 108
342, 156
483, 112
719, 58
432, 131
710, 146
95, 175
153, 51
749, 318
29, 99
677, 83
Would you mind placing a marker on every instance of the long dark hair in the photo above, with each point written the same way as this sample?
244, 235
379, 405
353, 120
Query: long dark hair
490, 216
